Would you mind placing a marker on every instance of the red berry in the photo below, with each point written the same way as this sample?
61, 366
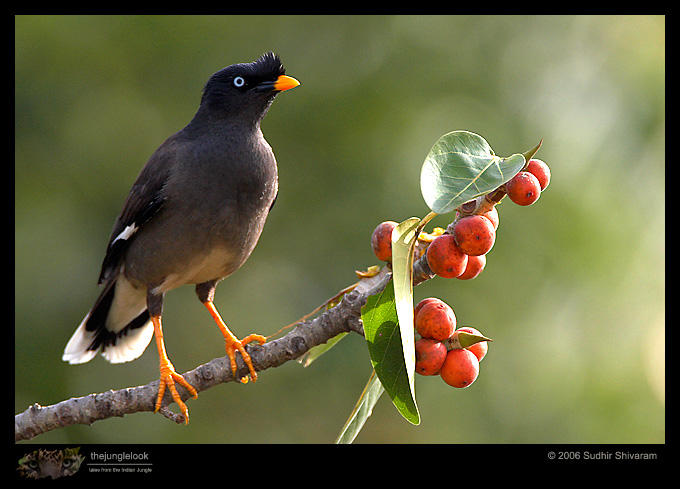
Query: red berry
492, 216
479, 349
445, 258
430, 356
474, 235
436, 320
541, 171
524, 188
423, 302
475, 265
382, 240
460, 368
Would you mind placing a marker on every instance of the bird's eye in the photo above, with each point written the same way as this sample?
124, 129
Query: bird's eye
239, 82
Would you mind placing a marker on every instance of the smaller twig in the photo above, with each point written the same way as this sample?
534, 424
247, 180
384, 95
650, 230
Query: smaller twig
330, 301
172, 416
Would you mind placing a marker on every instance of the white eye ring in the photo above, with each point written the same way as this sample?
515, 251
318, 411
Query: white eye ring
239, 82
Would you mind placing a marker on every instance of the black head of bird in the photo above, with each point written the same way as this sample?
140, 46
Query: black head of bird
245, 91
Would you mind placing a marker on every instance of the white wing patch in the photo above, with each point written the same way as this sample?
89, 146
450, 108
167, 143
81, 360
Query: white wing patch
127, 232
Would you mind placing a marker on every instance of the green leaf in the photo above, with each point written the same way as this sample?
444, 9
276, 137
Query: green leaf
403, 242
530, 154
462, 166
315, 352
383, 337
363, 409
404, 238
466, 340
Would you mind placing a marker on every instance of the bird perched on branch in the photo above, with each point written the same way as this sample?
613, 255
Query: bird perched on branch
193, 216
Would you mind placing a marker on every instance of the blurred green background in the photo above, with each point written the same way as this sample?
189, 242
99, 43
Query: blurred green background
574, 290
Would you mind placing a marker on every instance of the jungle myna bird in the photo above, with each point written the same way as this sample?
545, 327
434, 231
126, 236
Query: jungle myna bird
193, 216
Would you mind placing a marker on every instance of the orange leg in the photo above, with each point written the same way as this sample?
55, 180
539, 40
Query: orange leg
168, 374
234, 343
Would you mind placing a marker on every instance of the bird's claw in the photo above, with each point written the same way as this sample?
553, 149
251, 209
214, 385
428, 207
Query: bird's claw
233, 344
167, 380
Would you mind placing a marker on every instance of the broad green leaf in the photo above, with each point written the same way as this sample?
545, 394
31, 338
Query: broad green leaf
462, 166
363, 409
383, 337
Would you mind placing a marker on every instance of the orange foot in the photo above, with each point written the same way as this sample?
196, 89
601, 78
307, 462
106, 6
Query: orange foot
167, 380
168, 374
233, 343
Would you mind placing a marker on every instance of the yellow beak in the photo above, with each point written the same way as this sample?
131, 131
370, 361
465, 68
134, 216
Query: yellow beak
285, 82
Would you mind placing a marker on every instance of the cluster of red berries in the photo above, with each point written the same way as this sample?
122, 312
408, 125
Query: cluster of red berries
461, 253
439, 350
525, 188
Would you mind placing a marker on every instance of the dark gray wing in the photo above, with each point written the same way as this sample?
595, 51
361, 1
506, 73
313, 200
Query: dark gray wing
145, 199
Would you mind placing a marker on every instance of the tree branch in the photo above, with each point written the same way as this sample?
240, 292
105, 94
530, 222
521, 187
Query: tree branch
344, 317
